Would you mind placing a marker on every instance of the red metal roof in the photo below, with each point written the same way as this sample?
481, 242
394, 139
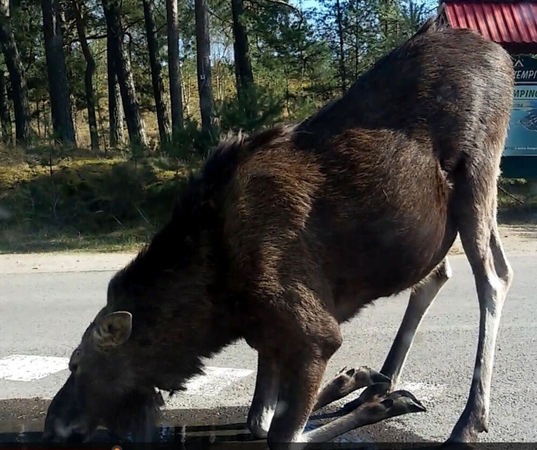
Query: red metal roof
501, 22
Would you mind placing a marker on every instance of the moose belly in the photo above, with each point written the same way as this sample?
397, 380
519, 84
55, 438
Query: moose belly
383, 257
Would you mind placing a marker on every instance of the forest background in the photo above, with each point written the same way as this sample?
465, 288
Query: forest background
106, 105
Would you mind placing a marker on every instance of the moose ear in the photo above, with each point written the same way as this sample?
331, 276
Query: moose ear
113, 329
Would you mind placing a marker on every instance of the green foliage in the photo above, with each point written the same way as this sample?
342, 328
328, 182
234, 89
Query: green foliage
92, 196
294, 53
189, 144
301, 58
369, 29
234, 114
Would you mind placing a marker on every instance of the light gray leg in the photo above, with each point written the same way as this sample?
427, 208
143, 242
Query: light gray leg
493, 277
265, 396
476, 205
420, 300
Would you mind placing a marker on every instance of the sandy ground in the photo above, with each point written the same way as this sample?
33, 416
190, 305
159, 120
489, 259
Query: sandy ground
516, 240
62, 262
519, 239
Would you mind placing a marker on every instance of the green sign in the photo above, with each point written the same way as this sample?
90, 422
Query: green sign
522, 135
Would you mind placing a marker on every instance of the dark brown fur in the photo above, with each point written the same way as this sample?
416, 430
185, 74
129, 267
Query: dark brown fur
288, 233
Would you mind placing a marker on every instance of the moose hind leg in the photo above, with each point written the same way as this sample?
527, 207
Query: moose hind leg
476, 209
420, 300
350, 380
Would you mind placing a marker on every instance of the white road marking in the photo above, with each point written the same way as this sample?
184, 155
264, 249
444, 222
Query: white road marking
30, 367
214, 380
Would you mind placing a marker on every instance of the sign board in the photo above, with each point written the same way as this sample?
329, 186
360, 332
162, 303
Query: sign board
522, 134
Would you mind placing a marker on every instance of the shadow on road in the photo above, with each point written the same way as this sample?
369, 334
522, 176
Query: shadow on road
22, 420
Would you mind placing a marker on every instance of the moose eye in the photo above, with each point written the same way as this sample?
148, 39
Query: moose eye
73, 363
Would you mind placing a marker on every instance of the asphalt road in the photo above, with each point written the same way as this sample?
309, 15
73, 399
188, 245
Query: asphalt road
44, 315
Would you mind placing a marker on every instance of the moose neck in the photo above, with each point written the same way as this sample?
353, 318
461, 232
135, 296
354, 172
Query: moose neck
171, 345
180, 316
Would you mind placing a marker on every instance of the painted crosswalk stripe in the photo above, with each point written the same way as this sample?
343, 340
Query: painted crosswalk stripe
30, 367
214, 380
25, 368
33, 367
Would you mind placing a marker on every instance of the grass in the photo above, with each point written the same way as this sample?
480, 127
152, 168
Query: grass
84, 202
78, 200
123, 241
516, 203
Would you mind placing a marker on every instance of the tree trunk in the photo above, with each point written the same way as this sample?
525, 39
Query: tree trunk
38, 115
176, 96
156, 72
17, 76
243, 67
203, 48
60, 102
4, 111
115, 114
88, 76
342, 68
123, 71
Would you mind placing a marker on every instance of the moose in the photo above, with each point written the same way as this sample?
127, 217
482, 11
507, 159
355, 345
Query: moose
288, 232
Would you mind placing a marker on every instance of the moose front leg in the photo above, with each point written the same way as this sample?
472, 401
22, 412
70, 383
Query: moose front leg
266, 391
265, 395
300, 379
346, 382
302, 362
375, 404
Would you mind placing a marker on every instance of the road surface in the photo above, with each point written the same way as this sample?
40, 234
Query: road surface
44, 309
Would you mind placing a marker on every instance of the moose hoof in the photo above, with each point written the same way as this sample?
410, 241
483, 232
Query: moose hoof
388, 404
403, 402
348, 381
